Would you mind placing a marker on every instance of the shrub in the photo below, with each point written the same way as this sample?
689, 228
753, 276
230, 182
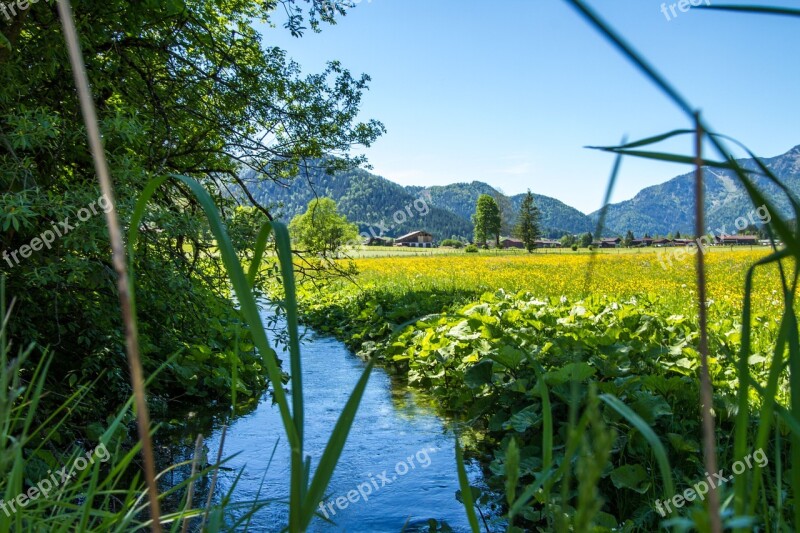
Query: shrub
574, 247
452, 242
471, 249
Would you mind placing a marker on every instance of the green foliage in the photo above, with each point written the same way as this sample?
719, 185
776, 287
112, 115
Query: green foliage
487, 220
568, 240
628, 238
527, 229
321, 229
471, 249
173, 114
586, 239
452, 243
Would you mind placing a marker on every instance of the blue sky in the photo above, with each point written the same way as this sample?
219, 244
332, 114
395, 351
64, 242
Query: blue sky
510, 92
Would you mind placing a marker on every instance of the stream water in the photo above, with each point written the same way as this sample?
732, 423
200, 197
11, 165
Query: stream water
397, 470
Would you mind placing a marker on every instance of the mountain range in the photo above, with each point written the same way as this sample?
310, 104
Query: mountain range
382, 207
669, 207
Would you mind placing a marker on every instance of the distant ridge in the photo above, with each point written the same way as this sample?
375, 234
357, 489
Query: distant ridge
373, 202
669, 207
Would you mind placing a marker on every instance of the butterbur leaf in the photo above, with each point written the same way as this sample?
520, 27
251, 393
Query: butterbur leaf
508, 356
632, 477
682, 444
524, 419
479, 374
650, 406
570, 372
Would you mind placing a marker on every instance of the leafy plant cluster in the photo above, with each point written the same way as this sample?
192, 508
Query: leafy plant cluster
492, 360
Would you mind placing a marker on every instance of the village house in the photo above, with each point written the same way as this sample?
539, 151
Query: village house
740, 240
377, 241
644, 241
415, 239
548, 243
512, 243
607, 243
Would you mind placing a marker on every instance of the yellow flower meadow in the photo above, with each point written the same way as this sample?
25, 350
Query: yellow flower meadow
567, 274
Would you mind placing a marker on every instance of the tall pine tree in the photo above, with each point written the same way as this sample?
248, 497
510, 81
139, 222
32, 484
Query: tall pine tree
527, 229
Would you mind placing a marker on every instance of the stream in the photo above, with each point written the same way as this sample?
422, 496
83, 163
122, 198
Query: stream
396, 472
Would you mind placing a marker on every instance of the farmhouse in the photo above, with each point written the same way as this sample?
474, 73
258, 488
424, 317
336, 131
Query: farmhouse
377, 241
512, 243
548, 243
645, 241
607, 243
736, 239
415, 239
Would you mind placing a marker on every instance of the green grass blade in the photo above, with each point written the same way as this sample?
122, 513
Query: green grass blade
794, 389
763, 10
644, 142
258, 252
299, 482
765, 417
466, 490
238, 280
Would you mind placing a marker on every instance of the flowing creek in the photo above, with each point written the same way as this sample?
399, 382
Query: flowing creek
399, 453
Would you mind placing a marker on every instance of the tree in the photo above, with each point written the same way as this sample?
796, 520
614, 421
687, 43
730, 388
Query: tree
527, 229
586, 239
321, 229
487, 220
628, 238
677, 234
568, 240
188, 88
